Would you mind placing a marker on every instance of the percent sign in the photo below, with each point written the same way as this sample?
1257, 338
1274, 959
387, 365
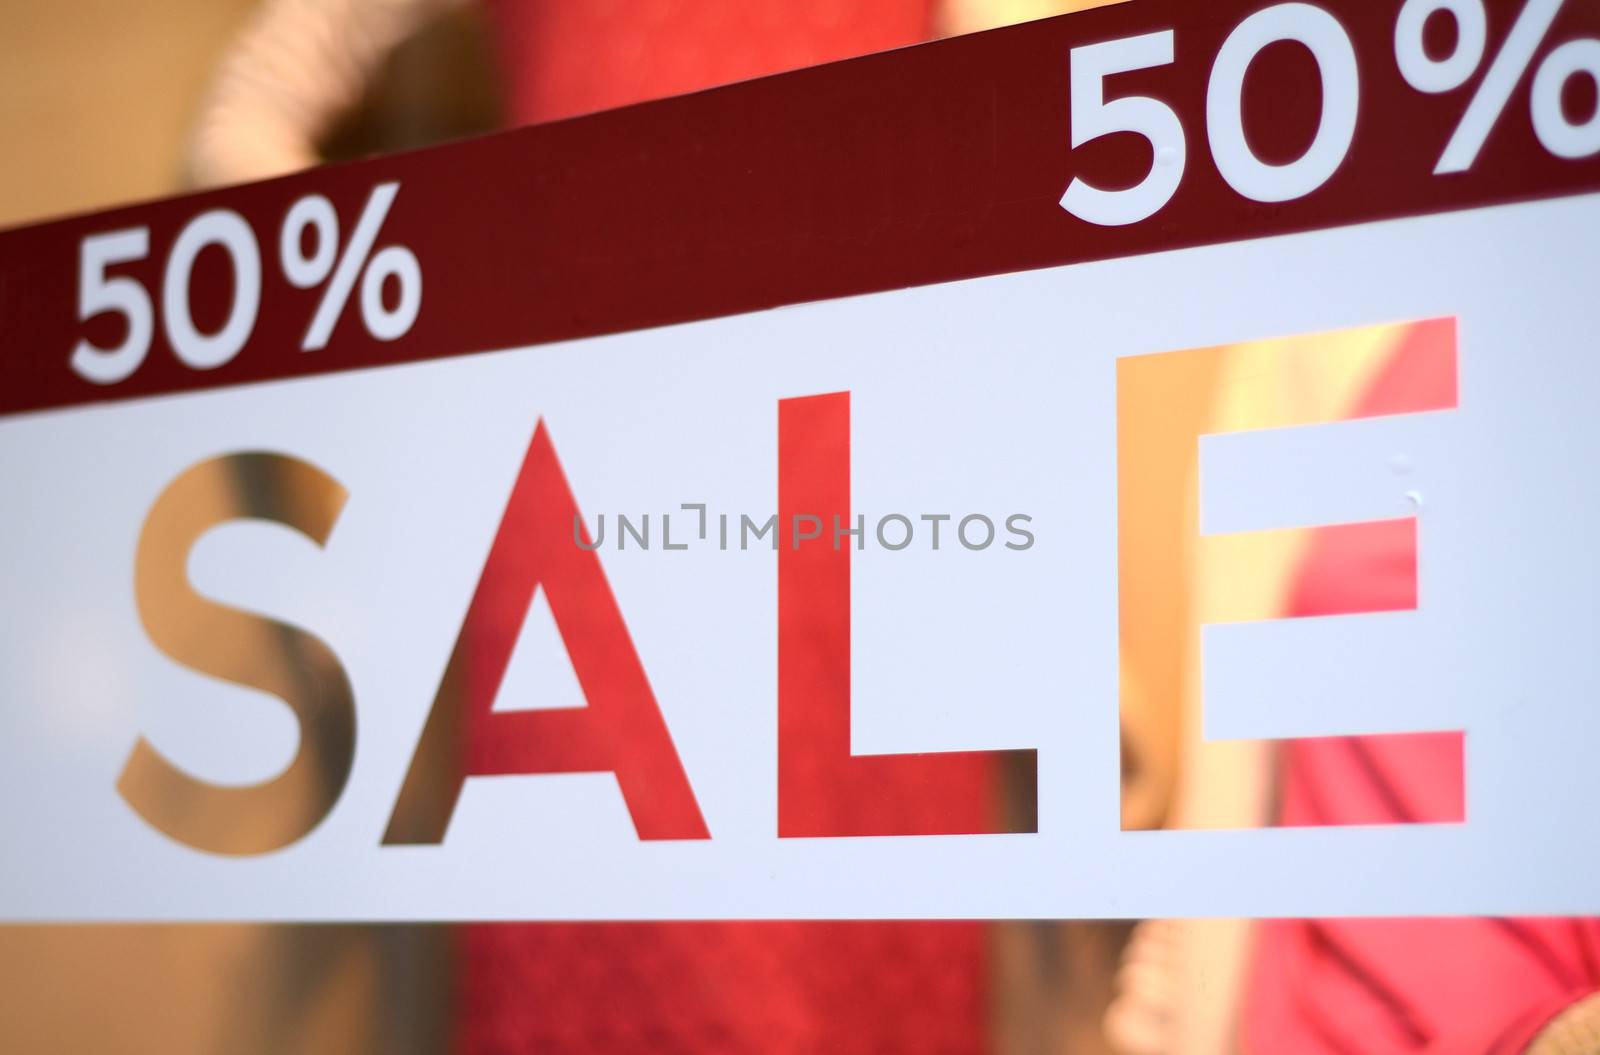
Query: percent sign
1560, 136
356, 262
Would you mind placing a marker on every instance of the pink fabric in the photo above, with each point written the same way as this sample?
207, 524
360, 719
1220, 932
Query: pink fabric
1416, 986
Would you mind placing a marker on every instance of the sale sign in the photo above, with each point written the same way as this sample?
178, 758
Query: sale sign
782, 501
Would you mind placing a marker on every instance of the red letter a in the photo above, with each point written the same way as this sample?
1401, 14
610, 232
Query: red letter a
620, 731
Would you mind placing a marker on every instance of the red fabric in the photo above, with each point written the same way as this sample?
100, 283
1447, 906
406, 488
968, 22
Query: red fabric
567, 57
710, 987
1376, 987
723, 987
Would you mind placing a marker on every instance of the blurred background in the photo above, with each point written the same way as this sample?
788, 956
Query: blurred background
105, 95
109, 101
87, 81
105, 102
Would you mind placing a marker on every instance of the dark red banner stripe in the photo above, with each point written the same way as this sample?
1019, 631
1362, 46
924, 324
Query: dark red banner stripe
933, 163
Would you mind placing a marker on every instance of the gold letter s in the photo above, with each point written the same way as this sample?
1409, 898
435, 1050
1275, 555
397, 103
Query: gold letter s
245, 649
